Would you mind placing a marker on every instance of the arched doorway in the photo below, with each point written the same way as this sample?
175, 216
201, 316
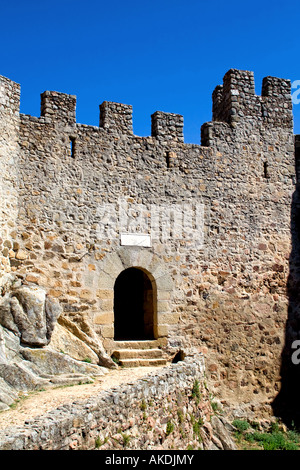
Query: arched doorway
134, 305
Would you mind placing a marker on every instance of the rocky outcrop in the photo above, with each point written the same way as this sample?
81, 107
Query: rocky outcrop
87, 336
29, 359
26, 369
65, 341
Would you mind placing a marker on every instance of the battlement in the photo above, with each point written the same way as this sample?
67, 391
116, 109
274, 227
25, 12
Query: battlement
58, 107
236, 100
116, 118
233, 102
9, 96
167, 126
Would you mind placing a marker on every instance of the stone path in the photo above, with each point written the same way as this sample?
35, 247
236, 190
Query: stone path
38, 403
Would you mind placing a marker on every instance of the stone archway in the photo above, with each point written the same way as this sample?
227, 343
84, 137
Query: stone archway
134, 305
104, 278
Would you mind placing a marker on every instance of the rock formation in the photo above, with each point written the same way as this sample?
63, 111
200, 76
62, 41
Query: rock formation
29, 360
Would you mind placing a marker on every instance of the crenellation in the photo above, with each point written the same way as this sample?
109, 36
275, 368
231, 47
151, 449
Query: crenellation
167, 126
116, 118
59, 108
233, 97
276, 88
9, 95
218, 104
236, 100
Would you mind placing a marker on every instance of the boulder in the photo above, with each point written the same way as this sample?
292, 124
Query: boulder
34, 314
63, 340
21, 378
27, 311
221, 430
9, 346
7, 395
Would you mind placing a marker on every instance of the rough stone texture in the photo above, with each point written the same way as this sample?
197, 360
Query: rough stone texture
27, 311
63, 340
9, 152
27, 320
8, 395
25, 369
164, 410
228, 297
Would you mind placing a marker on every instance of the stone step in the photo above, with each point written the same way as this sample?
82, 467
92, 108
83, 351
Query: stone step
139, 344
139, 362
138, 353
60, 381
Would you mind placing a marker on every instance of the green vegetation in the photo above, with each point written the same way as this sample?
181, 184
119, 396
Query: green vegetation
180, 415
197, 424
241, 425
215, 407
249, 437
196, 391
99, 442
170, 427
143, 405
115, 359
126, 439
271, 441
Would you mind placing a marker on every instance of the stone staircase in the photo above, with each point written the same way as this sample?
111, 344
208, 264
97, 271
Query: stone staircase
138, 353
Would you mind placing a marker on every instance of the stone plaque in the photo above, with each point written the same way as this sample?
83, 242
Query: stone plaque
135, 239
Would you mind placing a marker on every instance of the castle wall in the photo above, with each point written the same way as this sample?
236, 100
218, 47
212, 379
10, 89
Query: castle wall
9, 151
220, 273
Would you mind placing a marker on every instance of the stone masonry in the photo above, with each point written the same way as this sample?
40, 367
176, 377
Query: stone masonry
216, 218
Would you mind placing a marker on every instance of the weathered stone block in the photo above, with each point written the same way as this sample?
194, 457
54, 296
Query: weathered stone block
104, 318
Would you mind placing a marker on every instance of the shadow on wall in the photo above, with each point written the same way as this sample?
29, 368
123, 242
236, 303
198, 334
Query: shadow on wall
287, 403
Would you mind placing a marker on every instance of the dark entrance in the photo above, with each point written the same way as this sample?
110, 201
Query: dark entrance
133, 306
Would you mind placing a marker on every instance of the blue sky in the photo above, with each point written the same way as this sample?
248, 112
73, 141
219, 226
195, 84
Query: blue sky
165, 55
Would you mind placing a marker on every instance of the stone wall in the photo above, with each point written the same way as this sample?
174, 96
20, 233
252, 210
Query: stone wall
236, 100
168, 409
9, 151
222, 291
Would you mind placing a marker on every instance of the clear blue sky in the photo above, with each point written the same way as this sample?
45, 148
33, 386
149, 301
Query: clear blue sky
165, 55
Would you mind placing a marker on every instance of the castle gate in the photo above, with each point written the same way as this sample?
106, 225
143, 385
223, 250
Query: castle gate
134, 305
